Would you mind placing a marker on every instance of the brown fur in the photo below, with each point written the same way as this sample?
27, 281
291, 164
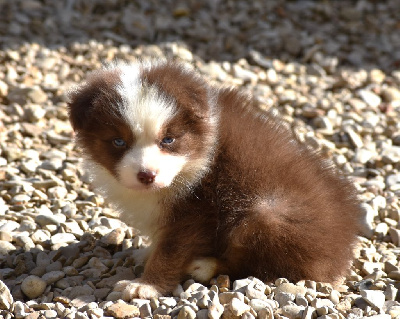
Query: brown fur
267, 206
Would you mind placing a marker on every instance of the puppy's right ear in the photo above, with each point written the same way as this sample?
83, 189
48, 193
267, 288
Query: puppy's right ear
93, 98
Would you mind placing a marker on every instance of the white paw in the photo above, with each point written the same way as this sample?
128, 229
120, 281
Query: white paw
137, 289
203, 269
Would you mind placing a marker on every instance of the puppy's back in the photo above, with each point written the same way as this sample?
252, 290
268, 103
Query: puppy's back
293, 210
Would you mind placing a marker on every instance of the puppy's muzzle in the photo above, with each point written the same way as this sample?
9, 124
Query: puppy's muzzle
146, 177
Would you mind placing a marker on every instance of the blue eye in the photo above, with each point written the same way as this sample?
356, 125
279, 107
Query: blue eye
119, 142
167, 140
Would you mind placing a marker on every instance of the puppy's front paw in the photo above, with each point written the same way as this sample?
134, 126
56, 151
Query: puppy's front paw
137, 289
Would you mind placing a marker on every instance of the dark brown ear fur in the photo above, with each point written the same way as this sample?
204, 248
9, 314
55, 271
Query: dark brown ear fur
88, 99
190, 92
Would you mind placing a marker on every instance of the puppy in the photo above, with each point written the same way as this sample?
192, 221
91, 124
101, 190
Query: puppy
219, 187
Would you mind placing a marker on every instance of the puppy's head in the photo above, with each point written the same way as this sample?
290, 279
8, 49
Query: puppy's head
149, 125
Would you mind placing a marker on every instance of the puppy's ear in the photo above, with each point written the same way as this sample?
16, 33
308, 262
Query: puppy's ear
92, 98
81, 102
180, 82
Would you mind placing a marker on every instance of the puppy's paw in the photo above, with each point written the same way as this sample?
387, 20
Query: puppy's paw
137, 289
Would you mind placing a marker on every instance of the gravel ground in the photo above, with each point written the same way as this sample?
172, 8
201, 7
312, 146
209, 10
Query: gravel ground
331, 69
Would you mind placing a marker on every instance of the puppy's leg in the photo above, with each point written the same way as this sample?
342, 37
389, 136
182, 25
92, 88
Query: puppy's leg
164, 269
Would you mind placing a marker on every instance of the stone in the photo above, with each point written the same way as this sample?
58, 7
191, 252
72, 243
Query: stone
238, 307
6, 247
291, 288
376, 76
391, 155
9, 226
362, 155
256, 289
248, 315
391, 94
215, 309
78, 291
115, 237
370, 98
369, 214
36, 95
375, 298
370, 267
244, 74
57, 192
20, 310
45, 219
354, 138
25, 242
390, 292
265, 313
381, 229
334, 296
6, 299
240, 285
187, 312
54, 266
284, 298
223, 281
392, 180
395, 275
202, 314
145, 310
301, 300
258, 304
53, 276
34, 112
308, 313
62, 238
292, 311
33, 286
82, 301
20, 199
318, 303
226, 297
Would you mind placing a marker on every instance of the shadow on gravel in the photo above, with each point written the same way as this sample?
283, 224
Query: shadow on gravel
83, 271
363, 34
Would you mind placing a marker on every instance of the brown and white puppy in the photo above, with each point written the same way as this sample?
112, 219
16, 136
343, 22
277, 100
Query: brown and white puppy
218, 186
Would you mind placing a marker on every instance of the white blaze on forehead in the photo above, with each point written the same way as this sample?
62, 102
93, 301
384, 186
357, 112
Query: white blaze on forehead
144, 107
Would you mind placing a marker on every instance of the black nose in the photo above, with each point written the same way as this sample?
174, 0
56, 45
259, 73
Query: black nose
146, 177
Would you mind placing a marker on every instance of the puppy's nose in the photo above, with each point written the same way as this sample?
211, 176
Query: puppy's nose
146, 177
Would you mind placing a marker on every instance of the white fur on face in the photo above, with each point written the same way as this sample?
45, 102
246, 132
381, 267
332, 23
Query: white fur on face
144, 107
166, 166
146, 110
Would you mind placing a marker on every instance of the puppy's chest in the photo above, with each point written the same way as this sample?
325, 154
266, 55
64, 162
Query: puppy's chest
142, 213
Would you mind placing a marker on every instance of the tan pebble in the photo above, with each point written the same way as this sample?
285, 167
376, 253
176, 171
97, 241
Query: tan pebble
223, 281
6, 299
266, 313
33, 286
291, 288
122, 310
